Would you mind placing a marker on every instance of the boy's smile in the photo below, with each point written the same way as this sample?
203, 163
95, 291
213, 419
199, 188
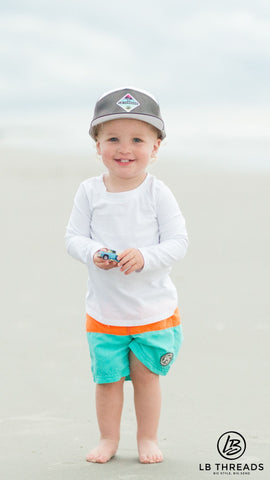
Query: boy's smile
121, 160
126, 147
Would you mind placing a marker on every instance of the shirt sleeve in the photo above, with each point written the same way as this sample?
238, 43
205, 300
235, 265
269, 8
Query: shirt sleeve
77, 238
173, 237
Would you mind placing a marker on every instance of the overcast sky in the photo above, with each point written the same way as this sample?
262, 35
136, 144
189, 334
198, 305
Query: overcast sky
193, 54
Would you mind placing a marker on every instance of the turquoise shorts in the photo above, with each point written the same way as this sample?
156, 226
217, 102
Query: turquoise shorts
157, 350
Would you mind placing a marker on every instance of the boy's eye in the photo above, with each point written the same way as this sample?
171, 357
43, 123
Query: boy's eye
137, 140
113, 139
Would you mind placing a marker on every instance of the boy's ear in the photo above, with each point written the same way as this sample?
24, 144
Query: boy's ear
98, 147
156, 145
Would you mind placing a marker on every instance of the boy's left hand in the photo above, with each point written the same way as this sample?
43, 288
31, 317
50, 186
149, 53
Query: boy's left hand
131, 260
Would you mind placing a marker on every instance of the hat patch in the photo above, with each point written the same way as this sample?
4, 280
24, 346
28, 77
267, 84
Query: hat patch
128, 103
166, 359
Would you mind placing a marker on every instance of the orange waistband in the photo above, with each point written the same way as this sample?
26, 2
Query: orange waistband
93, 326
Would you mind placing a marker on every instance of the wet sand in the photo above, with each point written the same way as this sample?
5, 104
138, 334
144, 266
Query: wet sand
220, 381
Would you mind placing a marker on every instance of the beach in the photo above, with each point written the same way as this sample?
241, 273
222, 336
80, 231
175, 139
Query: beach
220, 381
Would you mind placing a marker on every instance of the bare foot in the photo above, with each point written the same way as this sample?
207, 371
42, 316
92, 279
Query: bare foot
103, 452
149, 452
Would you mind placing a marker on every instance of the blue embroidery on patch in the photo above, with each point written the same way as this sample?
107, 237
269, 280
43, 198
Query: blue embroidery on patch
128, 102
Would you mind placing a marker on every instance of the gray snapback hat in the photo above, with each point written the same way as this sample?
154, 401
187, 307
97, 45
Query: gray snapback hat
128, 102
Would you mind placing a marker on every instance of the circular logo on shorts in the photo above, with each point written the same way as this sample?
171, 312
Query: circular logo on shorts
166, 359
231, 445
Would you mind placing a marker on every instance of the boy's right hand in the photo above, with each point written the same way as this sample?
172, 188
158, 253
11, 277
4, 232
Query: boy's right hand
104, 264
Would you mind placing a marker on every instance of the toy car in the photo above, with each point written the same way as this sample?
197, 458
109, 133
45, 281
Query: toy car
108, 255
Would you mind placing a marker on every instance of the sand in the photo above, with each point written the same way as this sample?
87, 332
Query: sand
220, 381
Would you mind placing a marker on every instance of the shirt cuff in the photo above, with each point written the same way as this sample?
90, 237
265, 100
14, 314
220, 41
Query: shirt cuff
145, 267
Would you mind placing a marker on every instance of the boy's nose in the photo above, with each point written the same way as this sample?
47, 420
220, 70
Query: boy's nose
124, 147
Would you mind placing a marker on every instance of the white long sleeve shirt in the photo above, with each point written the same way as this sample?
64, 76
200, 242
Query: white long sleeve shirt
147, 218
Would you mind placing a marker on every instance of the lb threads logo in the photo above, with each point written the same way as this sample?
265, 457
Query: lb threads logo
128, 102
231, 446
166, 359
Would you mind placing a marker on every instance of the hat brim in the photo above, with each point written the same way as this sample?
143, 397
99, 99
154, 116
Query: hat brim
154, 121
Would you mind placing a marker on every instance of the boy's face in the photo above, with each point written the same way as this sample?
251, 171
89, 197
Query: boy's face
126, 147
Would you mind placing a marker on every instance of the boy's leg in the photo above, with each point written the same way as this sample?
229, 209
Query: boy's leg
109, 404
147, 399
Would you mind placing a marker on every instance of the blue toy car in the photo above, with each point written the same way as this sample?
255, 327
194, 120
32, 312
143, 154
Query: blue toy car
108, 255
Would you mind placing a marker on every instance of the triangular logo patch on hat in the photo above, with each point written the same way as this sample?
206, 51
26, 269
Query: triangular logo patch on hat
128, 103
